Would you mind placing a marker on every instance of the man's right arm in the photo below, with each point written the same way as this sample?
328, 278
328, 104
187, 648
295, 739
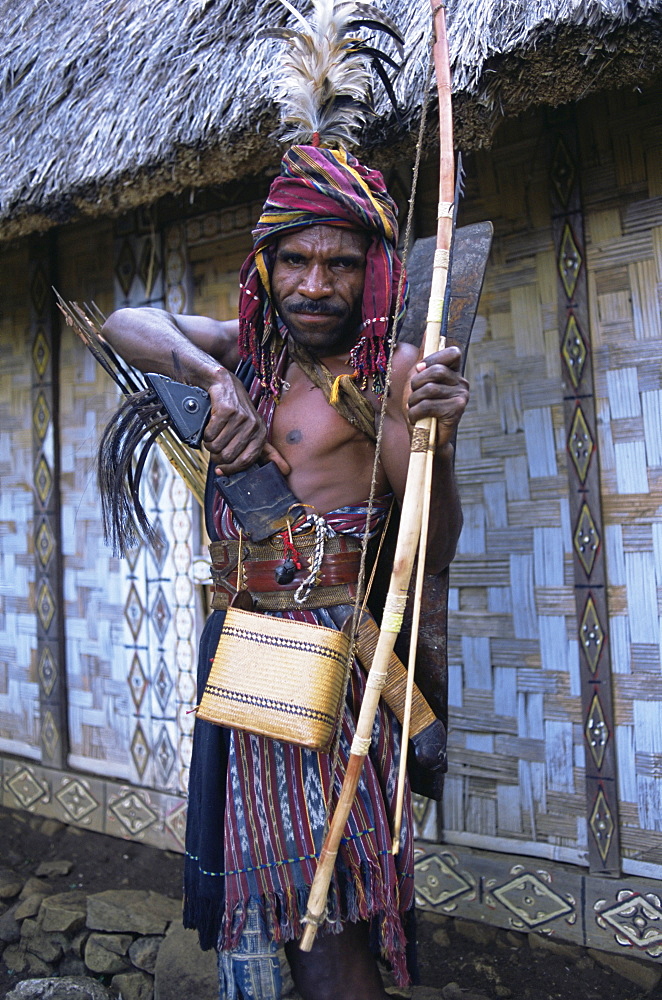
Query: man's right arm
203, 352
186, 348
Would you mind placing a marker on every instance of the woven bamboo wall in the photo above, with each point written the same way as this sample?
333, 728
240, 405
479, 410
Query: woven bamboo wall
517, 726
622, 154
19, 690
98, 694
516, 754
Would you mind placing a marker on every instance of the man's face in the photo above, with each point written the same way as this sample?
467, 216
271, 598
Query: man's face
317, 285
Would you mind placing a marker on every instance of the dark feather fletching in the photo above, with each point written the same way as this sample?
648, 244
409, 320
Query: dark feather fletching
136, 425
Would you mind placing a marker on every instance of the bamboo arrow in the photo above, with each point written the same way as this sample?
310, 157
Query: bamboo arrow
419, 472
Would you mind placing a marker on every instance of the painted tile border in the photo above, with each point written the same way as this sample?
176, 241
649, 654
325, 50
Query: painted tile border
620, 915
92, 803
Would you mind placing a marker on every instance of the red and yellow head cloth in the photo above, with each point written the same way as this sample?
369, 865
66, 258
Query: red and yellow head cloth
319, 186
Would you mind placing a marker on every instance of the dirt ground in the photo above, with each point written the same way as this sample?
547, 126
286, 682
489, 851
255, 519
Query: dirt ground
503, 968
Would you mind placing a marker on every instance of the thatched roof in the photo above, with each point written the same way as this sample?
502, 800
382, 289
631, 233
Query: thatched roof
112, 103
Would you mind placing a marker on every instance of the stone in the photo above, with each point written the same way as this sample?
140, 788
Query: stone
41, 945
441, 938
482, 934
35, 886
66, 988
645, 975
133, 986
502, 991
132, 910
65, 911
10, 929
36, 966
29, 906
10, 883
143, 952
14, 957
71, 966
183, 969
106, 953
540, 942
48, 869
426, 993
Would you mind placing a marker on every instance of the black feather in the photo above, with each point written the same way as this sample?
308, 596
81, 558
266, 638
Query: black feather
138, 422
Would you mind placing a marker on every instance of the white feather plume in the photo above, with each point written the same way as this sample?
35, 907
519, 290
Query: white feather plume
324, 82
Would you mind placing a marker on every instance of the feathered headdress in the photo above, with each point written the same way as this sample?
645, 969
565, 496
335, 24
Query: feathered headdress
324, 88
323, 85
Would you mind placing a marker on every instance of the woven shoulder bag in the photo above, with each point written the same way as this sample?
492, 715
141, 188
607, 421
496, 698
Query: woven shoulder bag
277, 678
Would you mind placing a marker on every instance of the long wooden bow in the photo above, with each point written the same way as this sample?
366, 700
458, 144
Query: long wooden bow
422, 446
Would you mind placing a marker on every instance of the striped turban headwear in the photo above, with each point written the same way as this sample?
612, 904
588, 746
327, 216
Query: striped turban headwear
319, 186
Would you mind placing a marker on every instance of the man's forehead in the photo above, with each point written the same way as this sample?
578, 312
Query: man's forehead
330, 239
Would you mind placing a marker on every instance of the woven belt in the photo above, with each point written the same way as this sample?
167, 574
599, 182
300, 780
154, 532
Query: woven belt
336, 581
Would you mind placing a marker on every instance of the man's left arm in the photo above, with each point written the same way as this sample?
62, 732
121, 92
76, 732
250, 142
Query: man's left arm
432, 387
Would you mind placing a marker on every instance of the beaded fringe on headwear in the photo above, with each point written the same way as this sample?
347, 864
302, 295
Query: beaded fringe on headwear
319, 186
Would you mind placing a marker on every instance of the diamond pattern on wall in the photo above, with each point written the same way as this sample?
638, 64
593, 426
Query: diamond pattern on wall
47, 671
156, 474
133, 612
438, 882
532, 900
162, 684
602, 824
159, 545
574, 350
591, 635
45, 605
569, 262
160, 614
44, 542
43, 480
76, 799
25, 786
164, 753
41, 354
137, 682
49, 733
586, 539
580, 444
597, 732
41, 416
139, 750
637, 919
133, 813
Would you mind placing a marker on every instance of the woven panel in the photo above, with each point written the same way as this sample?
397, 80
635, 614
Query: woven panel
98, 701
19, 691
624, 219
515, 720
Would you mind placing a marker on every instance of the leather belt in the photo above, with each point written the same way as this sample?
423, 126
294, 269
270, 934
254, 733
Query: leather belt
336, 580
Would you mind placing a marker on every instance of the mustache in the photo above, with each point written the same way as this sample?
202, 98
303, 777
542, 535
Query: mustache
315, 307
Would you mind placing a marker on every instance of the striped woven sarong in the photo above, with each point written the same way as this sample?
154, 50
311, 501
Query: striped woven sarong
275, 811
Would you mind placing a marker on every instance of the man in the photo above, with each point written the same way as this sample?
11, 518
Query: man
314, 307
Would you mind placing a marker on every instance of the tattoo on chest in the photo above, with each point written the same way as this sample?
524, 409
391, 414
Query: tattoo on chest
293, 437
